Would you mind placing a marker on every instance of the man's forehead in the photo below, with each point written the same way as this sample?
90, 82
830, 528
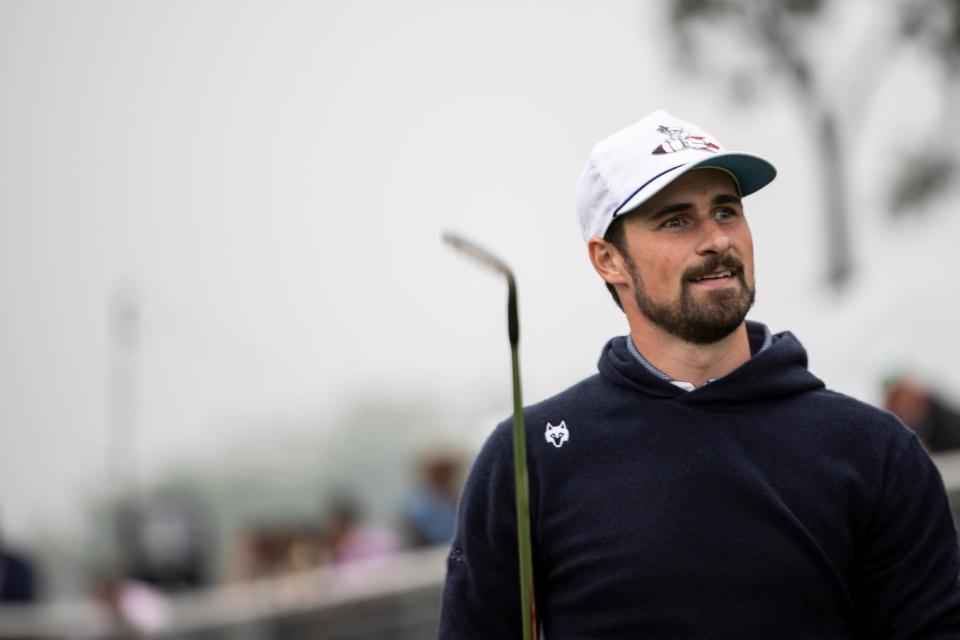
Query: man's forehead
708, 181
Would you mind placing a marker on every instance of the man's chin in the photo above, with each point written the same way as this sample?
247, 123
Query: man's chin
708, 333
699, 323
710, 316
703, 314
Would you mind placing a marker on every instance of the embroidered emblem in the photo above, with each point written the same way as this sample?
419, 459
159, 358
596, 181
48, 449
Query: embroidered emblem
679, 139
557, 435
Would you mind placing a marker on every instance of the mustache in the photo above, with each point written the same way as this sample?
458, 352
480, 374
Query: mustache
714, 264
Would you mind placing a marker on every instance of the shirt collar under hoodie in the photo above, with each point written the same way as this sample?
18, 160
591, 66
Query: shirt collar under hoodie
776, 371
758, 337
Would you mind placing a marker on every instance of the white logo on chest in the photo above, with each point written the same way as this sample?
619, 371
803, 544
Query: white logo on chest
557, 435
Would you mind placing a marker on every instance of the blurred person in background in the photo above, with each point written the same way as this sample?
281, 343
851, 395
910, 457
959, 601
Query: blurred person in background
349, 539
430, 513
704, 484
18, 577
934, 421
276, 549
266, 550
307, 549
165, 542
137, 609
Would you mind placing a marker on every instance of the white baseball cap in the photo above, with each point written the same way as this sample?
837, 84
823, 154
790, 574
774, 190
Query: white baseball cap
633, 164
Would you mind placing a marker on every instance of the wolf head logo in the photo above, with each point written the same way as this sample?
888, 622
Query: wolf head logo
557, 435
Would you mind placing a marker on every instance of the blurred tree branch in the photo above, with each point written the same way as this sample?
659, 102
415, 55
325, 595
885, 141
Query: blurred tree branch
781, 36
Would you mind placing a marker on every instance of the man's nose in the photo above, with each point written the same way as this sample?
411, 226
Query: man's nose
715, 240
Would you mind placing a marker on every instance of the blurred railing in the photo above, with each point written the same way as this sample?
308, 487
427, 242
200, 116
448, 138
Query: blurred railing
392, 598
395, 597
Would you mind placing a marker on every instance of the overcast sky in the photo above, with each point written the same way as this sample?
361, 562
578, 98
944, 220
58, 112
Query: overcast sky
272, 179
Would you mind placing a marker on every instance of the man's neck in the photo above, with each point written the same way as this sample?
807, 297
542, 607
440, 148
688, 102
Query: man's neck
686, 361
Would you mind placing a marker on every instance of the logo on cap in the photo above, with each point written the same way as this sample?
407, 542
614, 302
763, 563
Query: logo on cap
679, 139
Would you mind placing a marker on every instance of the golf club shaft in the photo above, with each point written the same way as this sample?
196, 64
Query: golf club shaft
521, 483
522, 490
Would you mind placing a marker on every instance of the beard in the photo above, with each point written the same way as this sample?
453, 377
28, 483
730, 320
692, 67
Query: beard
715, 316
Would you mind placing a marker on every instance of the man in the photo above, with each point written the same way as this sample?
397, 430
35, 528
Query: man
924, 411
703, 484
18, 582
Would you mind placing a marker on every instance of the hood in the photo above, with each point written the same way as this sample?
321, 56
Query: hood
777, 371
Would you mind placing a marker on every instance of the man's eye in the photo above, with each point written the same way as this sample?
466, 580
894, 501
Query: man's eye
724, 213
672, 223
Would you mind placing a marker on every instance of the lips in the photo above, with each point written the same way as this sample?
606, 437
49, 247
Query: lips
715, 269
727, 273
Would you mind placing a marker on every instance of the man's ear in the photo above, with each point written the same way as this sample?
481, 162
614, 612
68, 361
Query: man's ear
608, 262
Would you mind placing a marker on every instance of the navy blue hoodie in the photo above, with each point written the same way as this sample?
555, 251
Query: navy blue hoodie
760, 505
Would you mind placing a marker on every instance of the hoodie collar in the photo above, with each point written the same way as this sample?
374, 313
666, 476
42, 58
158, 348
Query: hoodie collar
779, 369
758, 336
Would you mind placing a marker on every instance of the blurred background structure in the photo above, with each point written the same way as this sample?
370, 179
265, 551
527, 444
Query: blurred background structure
242, 379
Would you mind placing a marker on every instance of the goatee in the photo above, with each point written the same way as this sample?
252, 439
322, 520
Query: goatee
716, 314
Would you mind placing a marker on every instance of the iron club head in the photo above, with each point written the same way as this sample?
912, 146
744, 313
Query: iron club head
484, 257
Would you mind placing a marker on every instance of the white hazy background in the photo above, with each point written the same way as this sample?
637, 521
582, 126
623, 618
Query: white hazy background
271, 179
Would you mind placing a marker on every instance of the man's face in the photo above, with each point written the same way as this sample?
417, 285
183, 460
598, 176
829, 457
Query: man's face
690, 256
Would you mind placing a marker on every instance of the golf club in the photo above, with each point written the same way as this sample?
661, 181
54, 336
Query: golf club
484, 257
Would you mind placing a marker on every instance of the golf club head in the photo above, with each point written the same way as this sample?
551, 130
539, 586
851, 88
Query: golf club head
484, 257
478, 253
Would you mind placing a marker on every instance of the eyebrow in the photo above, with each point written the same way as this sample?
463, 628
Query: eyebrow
722, 198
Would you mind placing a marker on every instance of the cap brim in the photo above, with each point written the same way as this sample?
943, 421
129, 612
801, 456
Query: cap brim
750, 172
